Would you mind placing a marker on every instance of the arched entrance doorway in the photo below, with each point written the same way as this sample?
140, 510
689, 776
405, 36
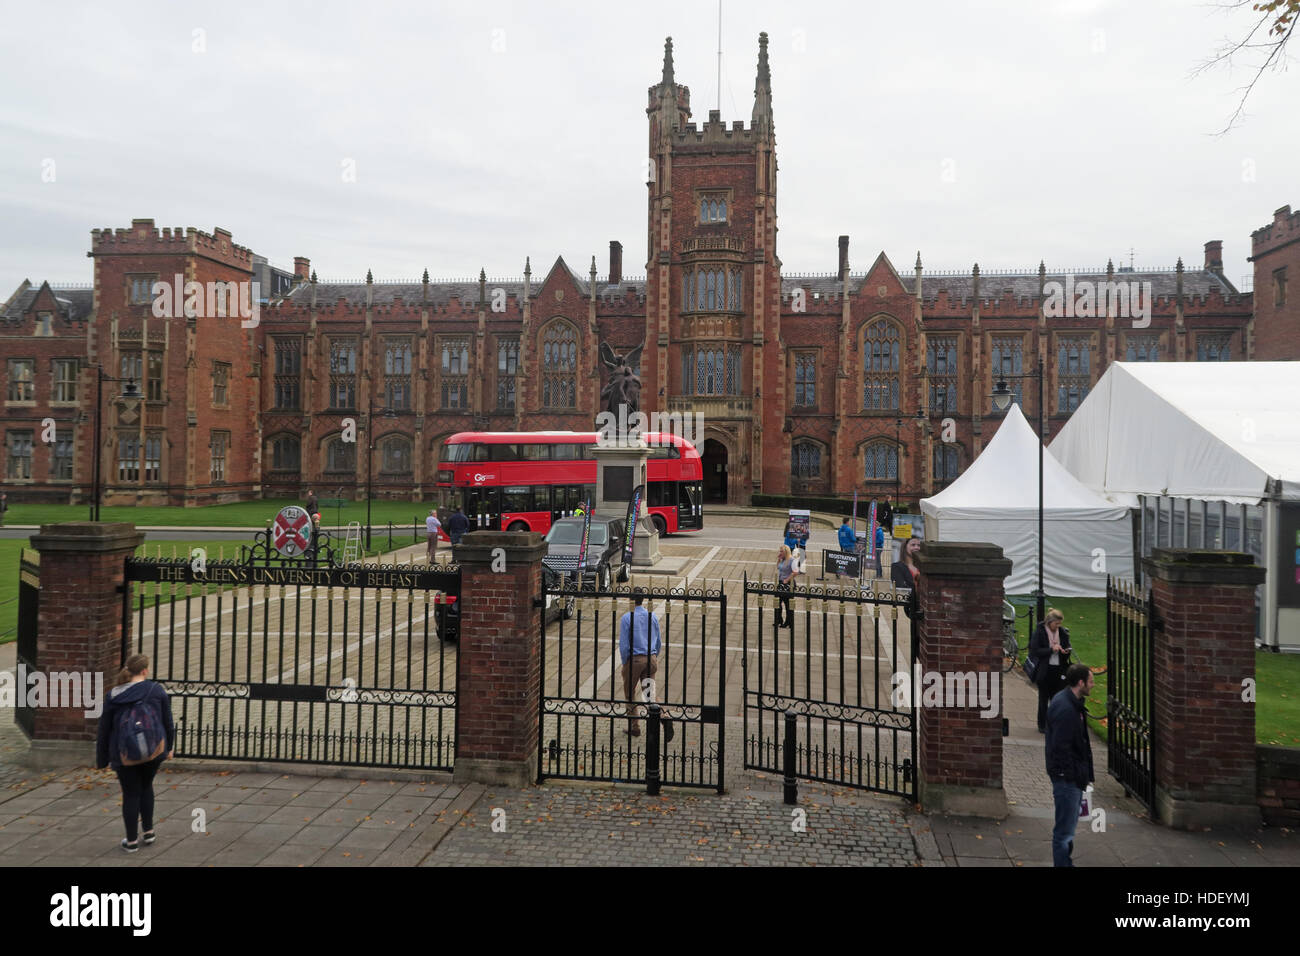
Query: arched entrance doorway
714, 461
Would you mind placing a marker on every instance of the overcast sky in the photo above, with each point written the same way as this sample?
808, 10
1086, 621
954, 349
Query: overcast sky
1002, 131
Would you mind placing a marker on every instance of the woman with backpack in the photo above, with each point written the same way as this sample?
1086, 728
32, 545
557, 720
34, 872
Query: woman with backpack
136, 734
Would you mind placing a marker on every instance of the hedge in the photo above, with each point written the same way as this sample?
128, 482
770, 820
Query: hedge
837, 506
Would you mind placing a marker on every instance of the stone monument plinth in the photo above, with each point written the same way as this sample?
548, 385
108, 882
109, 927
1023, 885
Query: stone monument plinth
620, 467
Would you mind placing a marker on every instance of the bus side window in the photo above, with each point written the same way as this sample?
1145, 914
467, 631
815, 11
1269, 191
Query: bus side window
542, 498
505, 452
481, 452
534, 452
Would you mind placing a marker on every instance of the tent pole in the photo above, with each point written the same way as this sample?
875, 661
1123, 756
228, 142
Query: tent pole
1041, 596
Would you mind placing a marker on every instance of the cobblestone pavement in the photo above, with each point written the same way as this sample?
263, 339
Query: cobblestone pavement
553, 825
1124, 837
234, 819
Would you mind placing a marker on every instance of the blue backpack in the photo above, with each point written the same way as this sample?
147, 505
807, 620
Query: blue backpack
140, 734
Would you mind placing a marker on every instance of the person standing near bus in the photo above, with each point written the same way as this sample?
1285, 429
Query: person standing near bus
432, 527
457, 525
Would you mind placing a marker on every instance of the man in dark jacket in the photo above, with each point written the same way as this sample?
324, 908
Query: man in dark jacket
457, 525
313, 505
885, 515
1069, 758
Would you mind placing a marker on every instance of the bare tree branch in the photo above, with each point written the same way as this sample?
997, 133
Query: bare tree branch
1278, 20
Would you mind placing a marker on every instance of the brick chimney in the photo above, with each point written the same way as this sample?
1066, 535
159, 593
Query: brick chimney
615, 262
844, 255
1214, 256
301, 268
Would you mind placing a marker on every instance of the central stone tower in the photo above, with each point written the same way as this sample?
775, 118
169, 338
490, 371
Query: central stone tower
713, 284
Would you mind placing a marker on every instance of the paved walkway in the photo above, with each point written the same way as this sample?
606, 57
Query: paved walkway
1124, 837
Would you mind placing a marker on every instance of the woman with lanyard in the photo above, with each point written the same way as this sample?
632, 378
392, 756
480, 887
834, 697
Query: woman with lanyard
1051, 646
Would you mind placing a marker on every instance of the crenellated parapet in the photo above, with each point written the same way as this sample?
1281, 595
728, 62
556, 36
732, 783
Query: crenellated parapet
144, 238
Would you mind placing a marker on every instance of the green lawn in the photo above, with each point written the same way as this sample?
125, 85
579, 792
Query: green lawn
10, 551
1277, 676
243, 514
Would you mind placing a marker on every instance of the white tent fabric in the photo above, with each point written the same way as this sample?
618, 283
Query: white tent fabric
1187, 429
996, 500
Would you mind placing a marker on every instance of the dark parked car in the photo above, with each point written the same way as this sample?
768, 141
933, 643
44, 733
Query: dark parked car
604, 560
447, 618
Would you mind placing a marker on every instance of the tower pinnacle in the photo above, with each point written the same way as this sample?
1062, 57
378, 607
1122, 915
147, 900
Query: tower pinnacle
763, 87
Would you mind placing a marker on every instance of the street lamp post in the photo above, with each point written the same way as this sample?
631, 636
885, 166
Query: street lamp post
130, 393
898, 459
1001, 401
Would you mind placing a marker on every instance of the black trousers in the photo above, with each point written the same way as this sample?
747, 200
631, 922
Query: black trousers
783, 617
137, 796
1047, 689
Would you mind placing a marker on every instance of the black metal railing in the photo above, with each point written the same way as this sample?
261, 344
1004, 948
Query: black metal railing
29, 600
302, 661
586, 719
1130, 689
832, 668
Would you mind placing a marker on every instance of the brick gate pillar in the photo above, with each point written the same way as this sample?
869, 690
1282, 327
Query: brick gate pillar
498, 658
1204, 732
79, 631
959, 638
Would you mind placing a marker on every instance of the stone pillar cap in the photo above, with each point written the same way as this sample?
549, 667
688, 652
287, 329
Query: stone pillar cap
1190, 566
87, 536
477, 547
968, 559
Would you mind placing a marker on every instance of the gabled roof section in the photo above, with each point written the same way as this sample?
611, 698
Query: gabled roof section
72, 303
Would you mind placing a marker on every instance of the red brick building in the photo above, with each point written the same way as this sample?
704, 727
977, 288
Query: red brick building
877, 381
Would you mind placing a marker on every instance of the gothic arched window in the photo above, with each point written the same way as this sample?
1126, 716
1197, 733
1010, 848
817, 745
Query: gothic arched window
341, 456
945, 463
559, 366
881, 460
881, 347
805, 460
395, 455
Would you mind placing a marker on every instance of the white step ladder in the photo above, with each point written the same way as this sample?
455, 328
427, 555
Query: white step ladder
352, 543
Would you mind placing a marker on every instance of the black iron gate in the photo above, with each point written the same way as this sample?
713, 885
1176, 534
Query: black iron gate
833, 667
1130, 689
29, 599
301, 660
585, 716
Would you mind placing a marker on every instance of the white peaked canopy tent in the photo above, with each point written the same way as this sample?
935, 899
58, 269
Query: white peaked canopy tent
1188, 429
996, 500
1201, 439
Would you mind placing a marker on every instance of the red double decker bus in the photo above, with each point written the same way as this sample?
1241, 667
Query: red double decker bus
522, 481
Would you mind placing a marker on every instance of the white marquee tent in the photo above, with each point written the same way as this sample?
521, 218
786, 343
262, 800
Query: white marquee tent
1189, 430
1201, 443
996, 500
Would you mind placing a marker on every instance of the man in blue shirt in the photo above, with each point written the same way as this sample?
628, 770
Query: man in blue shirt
638, 646
848, 540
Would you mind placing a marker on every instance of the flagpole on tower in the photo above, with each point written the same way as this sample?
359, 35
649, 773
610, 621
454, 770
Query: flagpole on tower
719, 56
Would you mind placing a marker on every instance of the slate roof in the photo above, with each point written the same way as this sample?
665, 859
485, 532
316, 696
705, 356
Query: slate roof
441, 293
74, 304
1164, 282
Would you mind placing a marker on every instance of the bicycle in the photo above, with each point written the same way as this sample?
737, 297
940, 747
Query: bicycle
1010, 647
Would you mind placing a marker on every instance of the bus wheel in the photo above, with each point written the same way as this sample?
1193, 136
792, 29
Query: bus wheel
661, 526
518, 526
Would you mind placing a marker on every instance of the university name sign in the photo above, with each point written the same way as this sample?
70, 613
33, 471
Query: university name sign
182, 572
